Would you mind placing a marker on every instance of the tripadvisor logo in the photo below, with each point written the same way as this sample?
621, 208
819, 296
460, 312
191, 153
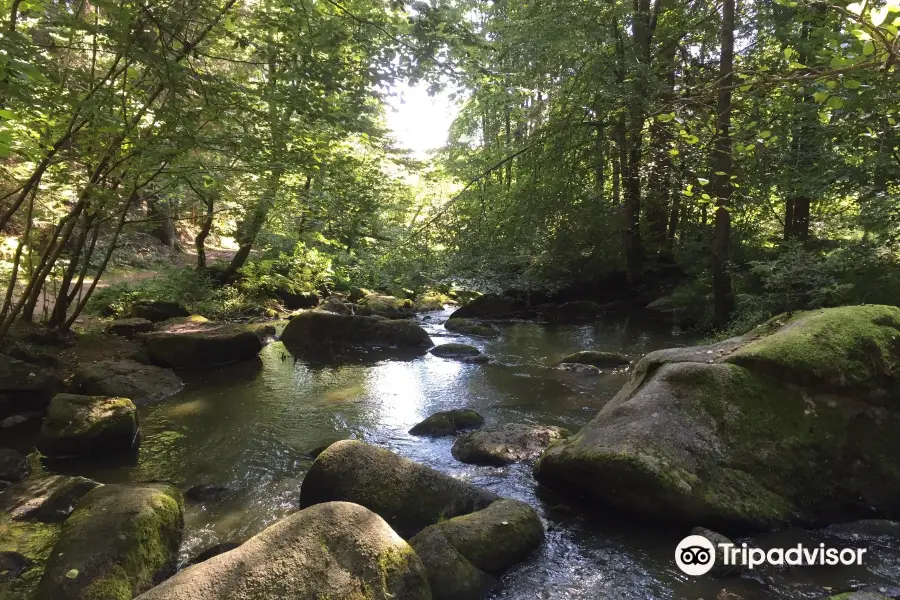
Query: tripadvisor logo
696, 555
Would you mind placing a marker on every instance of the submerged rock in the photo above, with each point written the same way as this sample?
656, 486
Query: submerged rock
464, 535
213, 551
24, 387
454, 350
795, 422
579, 368
506, 444
469, 327
266, 334
119, 542
596, 358
14, 465
448, 422
140, 383
202, 345
331, 550
81, 425
48, 499
158, 310
129, 328
206, 492
314, 330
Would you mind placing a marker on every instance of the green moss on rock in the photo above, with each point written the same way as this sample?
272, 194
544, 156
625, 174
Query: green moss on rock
325, 331
596, 358
77, 425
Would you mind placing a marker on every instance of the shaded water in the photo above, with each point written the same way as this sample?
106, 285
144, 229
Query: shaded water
248, 427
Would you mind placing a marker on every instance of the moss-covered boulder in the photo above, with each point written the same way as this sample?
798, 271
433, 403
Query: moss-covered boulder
193, 345
333, 551
142, 384
119, 542
860, 595
795, 422
157, 310
174, 323
470, 327
324, 331
504, 444
25, 387
129, 328
417, 496
448, 422
457, 528
336, 305
82, 425
463, 554
596, 358
388, 307
454, 350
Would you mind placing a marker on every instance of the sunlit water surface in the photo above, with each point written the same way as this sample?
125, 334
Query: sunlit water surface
249, 426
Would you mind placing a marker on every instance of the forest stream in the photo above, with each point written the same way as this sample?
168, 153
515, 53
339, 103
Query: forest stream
248, 427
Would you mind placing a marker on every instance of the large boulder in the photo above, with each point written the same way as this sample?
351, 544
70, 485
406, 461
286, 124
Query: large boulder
462, 554
140, 383
794, 422
505, 444
464, 535
493, 306
25, 547
129, 328
157, 310
596, 358
469, 327
448, 422
120, 541
24, 387
335, 550
82, 425
337, 306
191, 345
316, 330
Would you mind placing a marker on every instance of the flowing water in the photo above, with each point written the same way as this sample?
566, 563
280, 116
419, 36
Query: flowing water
249, 427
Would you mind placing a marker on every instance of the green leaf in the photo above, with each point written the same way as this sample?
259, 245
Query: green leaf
868, 48
702, 180
691, 139
72, 573
674, 152
765, 134
820, 97
665, 117
852, 84
835, 102
878, 15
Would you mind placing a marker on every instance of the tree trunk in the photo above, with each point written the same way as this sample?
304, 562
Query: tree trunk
723, 295
200, 240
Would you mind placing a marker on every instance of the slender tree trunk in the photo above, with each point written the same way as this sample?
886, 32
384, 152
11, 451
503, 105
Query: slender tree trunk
200, 240
723, 296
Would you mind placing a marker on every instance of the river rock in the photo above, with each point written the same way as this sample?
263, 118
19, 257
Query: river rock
119, 542
24, 387
140, 383
860, 595
24, 549
719, 569
293, 300
331, 550
206, 492
46, 498
494, 306
505, 444
176, 323
579, 368
81, 425
448, 422
469, 327
316, 330
337, 306
213, 551
158, 310
388, 307
596, 358
14, 465
266, 334
751, 431
202, 345
454, 350
129, 328
462, 554
471, 540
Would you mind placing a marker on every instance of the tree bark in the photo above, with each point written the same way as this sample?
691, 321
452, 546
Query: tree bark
723, 296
